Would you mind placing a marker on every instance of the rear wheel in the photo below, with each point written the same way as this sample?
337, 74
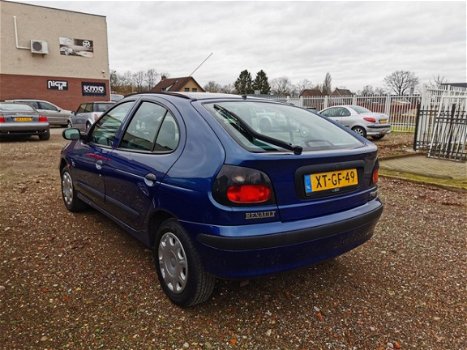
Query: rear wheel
359, 130
379, 137
179, 267
72, 202
44, 136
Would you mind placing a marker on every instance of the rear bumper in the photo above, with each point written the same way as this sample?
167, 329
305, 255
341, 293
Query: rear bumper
24, 128
232, 253
375, 130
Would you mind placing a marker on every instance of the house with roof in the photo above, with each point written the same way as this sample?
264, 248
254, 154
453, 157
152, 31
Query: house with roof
182, 84
311, 93
341, 92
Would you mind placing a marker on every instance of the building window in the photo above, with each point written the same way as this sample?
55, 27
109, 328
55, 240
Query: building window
187, 89
194, 89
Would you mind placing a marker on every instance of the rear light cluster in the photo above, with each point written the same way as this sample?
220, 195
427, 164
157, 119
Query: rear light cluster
375, 174
43, 119
2, 119
240, 186
370, 119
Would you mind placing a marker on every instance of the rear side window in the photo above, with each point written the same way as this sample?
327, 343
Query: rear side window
286, 123
106, 127
88, 108
102, 107
81, 108
48, 106
152, 128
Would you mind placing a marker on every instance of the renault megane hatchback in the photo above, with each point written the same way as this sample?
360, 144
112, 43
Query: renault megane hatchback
224, 186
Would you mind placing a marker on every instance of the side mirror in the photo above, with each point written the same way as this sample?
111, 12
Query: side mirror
71, 134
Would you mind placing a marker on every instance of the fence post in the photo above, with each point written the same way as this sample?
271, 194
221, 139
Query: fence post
354, 100
387, 105
300, 101
325, 103
417, 121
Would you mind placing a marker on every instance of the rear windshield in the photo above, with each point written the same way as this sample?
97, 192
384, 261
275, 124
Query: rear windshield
360, 110
15, 107
286, 123
102, 107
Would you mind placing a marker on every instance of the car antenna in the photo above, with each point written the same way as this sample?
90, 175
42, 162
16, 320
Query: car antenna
212, 53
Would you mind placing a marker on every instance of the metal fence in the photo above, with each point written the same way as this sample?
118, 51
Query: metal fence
441, 126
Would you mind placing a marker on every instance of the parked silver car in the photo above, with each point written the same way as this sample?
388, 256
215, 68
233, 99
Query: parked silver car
360, 119
87, 113
55, 114
21, 119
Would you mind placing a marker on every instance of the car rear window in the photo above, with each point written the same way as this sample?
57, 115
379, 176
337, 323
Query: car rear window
15, 107
286, 123
360, 110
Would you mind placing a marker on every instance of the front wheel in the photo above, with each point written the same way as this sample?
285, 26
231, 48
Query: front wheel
179, 266
72, 202
359, 130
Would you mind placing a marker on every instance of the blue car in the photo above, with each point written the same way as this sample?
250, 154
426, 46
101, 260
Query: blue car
224, 186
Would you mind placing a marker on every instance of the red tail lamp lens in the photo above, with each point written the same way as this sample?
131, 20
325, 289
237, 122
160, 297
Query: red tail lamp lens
2, 119
43, 119
370, 119
248, 193
375, 176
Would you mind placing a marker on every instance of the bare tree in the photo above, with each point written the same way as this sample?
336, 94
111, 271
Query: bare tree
303, 85
367, 90
401, 82
437, 82
228, 89
150, 76
327, 84
281, 86
212, 86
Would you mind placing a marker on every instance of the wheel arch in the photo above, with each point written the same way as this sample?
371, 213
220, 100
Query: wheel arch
154, 222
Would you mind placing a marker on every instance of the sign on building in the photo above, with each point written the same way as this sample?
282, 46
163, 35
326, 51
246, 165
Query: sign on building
76, 47
57, 85
93, 89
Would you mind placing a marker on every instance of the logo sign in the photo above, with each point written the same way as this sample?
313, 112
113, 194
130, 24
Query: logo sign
93, 89
57, 85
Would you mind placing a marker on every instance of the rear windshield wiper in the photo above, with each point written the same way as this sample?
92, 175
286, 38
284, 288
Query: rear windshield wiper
252, 134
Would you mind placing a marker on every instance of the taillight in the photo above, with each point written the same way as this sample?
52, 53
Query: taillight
43, 119
236, 185
375, 174
2, 119
370, 119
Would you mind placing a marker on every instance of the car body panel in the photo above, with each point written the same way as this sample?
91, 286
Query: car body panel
87, 114
184, 181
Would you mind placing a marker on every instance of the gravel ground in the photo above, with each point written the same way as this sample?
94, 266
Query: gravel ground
78, 281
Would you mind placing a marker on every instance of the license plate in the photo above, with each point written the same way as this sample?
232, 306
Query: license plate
23, 119
330, 180
383, 121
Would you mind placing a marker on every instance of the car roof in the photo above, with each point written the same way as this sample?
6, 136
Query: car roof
199, 96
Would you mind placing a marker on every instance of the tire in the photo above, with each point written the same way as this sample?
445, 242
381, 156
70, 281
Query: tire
179, 268
44, 136
379, 137
71, 200
359, 130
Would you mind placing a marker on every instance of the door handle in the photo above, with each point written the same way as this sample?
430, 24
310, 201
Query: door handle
150, 179
99, 165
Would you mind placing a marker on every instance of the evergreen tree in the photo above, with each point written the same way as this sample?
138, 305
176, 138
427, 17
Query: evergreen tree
327, 85
261, 83
243, 83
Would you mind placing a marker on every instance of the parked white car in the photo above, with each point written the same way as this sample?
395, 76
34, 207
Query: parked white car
360, 119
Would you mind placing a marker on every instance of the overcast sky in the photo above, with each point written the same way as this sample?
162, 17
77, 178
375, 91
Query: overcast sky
359, 43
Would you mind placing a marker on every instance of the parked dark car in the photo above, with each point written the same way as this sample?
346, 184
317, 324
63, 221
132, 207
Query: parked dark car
87, 113
224, 186
21, 119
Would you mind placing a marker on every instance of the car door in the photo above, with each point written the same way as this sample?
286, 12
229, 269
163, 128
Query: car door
91, 154
341, 115
147, 150
55, 115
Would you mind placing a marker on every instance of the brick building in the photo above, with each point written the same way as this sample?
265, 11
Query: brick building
52, 54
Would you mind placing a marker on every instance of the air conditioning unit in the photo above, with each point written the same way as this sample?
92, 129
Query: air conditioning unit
39, 46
